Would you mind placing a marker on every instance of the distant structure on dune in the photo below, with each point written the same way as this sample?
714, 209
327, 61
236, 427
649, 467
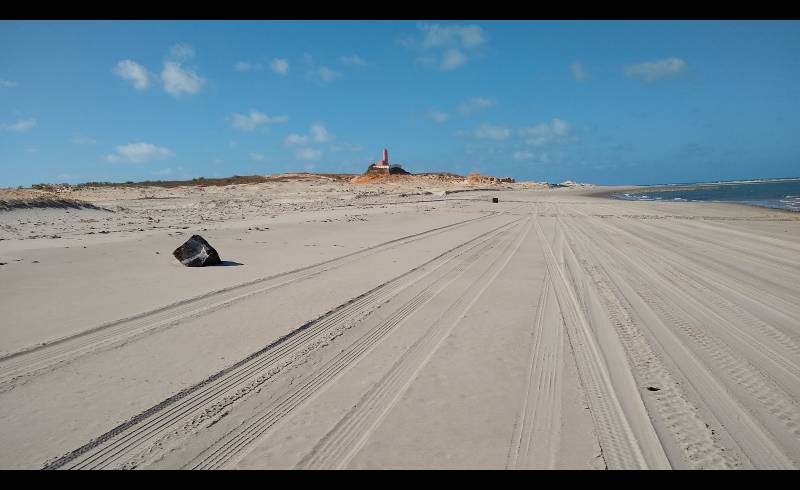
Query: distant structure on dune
382, 167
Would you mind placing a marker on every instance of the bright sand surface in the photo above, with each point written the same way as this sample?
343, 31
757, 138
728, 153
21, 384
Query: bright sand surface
365, 327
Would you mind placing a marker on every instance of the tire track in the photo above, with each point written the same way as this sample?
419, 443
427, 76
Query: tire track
342, 443
727, 319
758, 274
621, 448
752, 434
535, 442
687, 430
702, 279
232, 446
199, 404
17, 367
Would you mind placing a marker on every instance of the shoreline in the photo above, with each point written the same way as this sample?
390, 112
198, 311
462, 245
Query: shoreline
608, 194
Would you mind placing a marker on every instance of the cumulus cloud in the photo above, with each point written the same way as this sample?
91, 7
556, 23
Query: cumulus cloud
179, 80
182, 52
353, 60
308, 154
452, 59
556, 131
319, 133
579, 71
280, 66
475, 104
295, 139
438, 116
139, 153
489, 131
249, 122
133, 72
320, 74
243, 66
7, 83
21, 126
327, 74
652, 71
523, 155
446, 47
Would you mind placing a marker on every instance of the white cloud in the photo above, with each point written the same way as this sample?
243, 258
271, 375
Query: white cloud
556, 131
139, 153
523, 155
437, 36
66, 177
280, 66
578, 71
82, 140
488, 131
134, 72
319, 133
475, 104
243, 66
21, 126
452, 59
232, 144
438, 116
328, 75
319, 74
182, 52
353, 60
308, 154
249, 122
178, 80
7, 83
446, 47
256, 157
656, 70
296, 140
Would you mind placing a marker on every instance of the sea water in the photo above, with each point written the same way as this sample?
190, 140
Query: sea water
775, 193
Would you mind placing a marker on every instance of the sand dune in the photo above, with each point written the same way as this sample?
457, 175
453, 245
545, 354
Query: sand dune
399, 327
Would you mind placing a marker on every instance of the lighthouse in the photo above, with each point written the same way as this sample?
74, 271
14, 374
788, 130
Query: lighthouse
382, 166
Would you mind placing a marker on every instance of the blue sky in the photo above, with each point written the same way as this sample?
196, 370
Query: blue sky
597, 101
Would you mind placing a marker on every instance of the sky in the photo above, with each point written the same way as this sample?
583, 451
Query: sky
605, 102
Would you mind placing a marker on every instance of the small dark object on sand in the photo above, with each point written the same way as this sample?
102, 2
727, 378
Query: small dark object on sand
196, 252
495, 199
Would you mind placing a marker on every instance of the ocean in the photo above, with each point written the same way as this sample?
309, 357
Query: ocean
775, 193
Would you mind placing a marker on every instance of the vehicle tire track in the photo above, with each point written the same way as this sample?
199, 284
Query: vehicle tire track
732, 331
688, 431
535, 442
337, 448
206, 400
17, 367
737, 374
233, 445
621, 447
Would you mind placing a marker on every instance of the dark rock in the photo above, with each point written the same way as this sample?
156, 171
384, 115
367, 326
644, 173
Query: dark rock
196, 252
